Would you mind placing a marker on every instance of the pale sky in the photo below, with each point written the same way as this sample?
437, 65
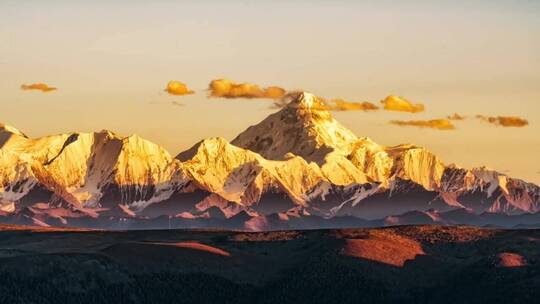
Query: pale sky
111, 60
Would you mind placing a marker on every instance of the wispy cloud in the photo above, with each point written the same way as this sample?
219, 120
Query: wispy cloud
400, 104
456, 116
343, 105
177, 103
229, 89
338, 105
178, 88
504, 121
438, 124
43, 87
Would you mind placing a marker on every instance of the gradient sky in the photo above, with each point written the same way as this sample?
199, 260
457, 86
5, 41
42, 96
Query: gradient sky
111, 60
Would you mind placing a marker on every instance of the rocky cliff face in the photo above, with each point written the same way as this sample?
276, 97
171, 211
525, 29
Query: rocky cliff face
79, 168
298, 161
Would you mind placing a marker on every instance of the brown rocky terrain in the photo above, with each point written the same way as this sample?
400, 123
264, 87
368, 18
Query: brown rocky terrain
405, 264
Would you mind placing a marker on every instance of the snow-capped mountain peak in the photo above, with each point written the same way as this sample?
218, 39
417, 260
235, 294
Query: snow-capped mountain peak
303, 127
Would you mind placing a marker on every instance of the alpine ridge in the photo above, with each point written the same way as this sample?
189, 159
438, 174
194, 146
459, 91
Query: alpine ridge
299, 167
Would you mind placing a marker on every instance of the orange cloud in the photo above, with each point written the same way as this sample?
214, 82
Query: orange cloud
396, 103
332, 105
178, 88
343, 105
43, 87
229, 89
439, 124
456, 116
504, 121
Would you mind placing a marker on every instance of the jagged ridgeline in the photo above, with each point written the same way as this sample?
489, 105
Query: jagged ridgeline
298, 164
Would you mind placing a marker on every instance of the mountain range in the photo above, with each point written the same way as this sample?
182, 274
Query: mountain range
299, 167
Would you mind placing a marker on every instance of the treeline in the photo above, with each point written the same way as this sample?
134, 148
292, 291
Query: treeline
320, 278
148, 288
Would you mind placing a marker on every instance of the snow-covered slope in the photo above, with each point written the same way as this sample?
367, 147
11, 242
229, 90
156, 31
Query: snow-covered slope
482, 189
7, 133
80, 167
304, 128
242, 176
